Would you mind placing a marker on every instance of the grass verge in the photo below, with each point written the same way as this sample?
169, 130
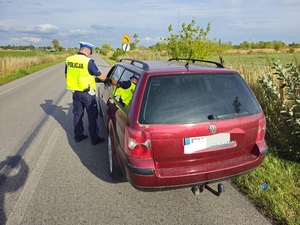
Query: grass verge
24, 72
108, 60
280, 201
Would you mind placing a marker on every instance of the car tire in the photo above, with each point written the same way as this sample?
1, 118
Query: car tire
114, 169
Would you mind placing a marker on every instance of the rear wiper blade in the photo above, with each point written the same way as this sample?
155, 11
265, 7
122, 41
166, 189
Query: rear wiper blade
212, 117
232, 115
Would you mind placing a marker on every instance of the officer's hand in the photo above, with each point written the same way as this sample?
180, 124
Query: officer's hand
102, 77
108, 81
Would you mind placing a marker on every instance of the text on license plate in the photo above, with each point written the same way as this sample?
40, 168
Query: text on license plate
193, 144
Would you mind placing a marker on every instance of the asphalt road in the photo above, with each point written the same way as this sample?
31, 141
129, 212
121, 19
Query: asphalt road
47, 178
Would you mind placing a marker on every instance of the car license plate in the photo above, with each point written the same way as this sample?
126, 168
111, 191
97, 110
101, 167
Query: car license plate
194, 144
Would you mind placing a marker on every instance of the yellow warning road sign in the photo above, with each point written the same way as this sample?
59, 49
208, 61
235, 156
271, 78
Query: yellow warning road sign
126, 39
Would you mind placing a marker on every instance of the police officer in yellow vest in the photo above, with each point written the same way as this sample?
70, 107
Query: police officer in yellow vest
81, 72
125, 90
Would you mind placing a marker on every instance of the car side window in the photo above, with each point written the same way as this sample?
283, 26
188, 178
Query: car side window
122, 75
117, 73
124, 83
126, 75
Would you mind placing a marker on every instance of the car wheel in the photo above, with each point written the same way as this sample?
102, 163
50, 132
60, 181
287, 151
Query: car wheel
114, 169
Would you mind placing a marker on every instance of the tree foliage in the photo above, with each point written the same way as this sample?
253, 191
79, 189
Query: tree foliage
190, 41
118, 52
55, 43
276, 45
105, 48
136, 40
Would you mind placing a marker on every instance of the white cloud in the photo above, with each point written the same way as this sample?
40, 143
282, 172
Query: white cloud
80, 32
25, 40
107, 21
42, 29
102, 27
32, 39
46, 28
4, 27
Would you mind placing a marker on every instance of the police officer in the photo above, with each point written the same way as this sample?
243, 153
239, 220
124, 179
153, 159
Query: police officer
125, 89
81, 72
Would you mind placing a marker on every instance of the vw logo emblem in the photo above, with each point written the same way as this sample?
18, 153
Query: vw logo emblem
212, 128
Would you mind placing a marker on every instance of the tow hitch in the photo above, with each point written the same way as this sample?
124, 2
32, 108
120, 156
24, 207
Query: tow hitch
198, 189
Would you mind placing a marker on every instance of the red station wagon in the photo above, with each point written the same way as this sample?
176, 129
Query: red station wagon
189, 123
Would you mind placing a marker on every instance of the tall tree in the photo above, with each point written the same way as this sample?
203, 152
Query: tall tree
136, 40
190, 39
55, 43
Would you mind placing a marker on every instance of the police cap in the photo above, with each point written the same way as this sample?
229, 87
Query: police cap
87, 45
135, 76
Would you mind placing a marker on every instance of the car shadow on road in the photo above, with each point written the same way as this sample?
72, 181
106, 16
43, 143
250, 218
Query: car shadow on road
13, 174
94, 158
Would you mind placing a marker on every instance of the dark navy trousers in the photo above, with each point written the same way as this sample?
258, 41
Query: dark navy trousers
81, 101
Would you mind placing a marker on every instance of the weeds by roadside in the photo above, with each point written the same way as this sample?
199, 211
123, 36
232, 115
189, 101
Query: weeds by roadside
13, 67
275, 188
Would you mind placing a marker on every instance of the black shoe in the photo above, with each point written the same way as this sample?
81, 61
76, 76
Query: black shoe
100, 140
81, 138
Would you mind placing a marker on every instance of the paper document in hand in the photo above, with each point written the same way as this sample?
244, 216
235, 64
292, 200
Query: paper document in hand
91, 91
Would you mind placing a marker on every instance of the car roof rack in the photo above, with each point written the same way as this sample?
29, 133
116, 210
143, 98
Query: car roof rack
197, 60
143, 66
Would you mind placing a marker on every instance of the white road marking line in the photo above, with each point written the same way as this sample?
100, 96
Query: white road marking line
16, 216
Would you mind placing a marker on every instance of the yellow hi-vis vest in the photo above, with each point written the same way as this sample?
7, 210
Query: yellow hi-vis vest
125, 94
78, 77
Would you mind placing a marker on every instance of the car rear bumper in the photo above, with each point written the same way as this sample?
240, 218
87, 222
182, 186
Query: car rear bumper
150, 178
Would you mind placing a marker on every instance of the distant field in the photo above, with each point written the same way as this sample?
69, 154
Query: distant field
23, 53
258, 59
16, 64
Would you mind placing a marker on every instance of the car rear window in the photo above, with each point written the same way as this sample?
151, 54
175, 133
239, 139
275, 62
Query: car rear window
196, 98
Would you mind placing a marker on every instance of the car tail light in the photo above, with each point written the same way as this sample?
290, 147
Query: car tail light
137, 143
261, 130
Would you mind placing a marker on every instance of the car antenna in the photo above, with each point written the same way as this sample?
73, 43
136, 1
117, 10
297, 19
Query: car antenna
188, 62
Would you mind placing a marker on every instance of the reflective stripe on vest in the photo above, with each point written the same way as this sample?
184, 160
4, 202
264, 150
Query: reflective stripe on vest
125, 94
78, 77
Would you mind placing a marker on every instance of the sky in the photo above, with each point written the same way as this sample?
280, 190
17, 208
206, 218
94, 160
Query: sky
36, 22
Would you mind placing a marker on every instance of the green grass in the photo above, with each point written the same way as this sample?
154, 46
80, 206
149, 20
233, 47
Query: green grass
108, 60
28, 62
281, 200
23, 72
23, 53
258, 59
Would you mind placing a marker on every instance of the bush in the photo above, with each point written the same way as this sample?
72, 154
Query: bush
117, 53
103, 51
105, 48
190, 42
281, 104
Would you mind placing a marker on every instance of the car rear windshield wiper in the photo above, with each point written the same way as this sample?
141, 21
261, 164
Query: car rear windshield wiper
212, 117
233, 115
